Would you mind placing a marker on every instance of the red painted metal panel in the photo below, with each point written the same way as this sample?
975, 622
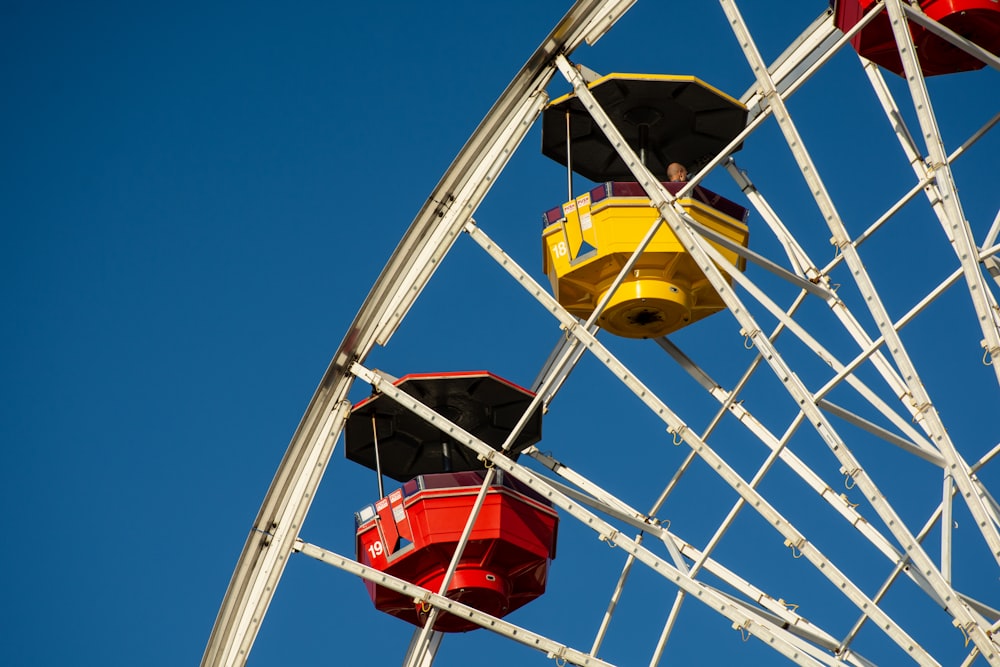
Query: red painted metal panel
504, 565
976, 20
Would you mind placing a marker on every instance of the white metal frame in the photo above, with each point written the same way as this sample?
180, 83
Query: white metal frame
913, 425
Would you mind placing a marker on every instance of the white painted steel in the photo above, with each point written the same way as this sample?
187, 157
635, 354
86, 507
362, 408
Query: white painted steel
911, 426
957, 227
676, 426
872, 300
499, 626
751, 621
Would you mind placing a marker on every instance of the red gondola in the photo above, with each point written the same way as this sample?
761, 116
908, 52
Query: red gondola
976, 20
412, 534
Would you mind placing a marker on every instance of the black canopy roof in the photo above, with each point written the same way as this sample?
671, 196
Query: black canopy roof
666, 118
483, 404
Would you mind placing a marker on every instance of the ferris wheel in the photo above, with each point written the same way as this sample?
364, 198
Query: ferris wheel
810, 369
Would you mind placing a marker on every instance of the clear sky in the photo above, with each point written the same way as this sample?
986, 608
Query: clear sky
195, 200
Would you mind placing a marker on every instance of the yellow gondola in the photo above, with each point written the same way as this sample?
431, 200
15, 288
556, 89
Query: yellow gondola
588, 240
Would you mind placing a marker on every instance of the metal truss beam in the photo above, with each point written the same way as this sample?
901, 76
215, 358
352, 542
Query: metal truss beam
703, 255
552, 649
754, 623
676, 426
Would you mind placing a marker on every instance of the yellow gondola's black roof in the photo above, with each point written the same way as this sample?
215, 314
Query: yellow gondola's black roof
674, 118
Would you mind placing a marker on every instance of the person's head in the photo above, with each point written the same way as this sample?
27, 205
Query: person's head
676, 172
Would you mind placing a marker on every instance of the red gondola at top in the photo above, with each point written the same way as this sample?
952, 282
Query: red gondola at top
976, 20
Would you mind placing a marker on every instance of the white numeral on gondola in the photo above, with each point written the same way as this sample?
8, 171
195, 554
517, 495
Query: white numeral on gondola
376, 549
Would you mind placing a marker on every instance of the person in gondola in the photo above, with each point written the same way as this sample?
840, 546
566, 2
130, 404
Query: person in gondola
677, 173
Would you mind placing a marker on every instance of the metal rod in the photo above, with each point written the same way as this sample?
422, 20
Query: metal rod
420, 644
991, 236
378, 461
946, 525
445, 456
569, 161
643, 141
491, 623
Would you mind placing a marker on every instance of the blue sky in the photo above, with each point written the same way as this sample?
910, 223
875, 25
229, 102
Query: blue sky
195, 202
